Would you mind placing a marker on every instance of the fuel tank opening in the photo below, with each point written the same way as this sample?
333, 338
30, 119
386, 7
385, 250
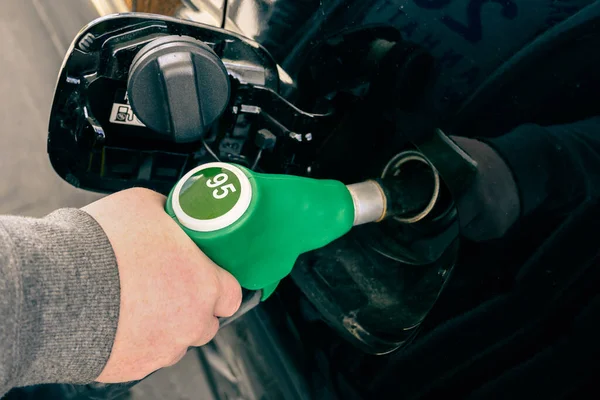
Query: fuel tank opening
412, 187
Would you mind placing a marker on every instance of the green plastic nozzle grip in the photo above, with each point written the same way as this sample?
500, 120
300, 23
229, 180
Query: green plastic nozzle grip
287, 216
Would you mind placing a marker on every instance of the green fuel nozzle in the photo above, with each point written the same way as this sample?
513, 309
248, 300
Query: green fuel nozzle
256, 225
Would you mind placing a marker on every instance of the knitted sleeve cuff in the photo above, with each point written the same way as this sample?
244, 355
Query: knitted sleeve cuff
63, 317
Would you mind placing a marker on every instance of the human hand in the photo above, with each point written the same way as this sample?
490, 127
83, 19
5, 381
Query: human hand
171, 293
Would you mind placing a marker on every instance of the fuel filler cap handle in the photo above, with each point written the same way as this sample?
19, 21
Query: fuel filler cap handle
178, 86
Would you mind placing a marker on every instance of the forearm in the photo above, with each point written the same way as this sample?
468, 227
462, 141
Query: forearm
59, 299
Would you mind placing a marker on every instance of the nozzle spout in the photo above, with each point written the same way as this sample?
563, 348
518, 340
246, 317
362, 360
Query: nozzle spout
370, 202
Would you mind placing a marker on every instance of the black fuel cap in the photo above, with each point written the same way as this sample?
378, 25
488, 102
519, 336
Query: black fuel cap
178, 86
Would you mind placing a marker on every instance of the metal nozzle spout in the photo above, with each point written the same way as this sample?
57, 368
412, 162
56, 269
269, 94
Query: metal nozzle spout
370, 202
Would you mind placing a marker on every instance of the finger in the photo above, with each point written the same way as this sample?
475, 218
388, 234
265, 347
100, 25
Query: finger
230, 295
208, 333
177, 358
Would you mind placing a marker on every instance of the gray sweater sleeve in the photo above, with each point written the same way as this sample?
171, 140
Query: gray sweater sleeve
59, 299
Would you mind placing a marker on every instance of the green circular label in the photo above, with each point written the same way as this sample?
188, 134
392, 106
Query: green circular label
210, 193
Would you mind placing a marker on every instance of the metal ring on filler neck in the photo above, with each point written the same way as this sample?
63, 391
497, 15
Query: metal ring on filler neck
412, 155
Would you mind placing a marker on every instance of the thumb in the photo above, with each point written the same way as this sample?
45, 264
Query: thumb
230, 294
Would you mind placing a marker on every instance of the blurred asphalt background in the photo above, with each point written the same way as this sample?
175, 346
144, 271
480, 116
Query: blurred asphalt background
34, 37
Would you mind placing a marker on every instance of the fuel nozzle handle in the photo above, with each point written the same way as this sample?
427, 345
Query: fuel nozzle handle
256, 225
